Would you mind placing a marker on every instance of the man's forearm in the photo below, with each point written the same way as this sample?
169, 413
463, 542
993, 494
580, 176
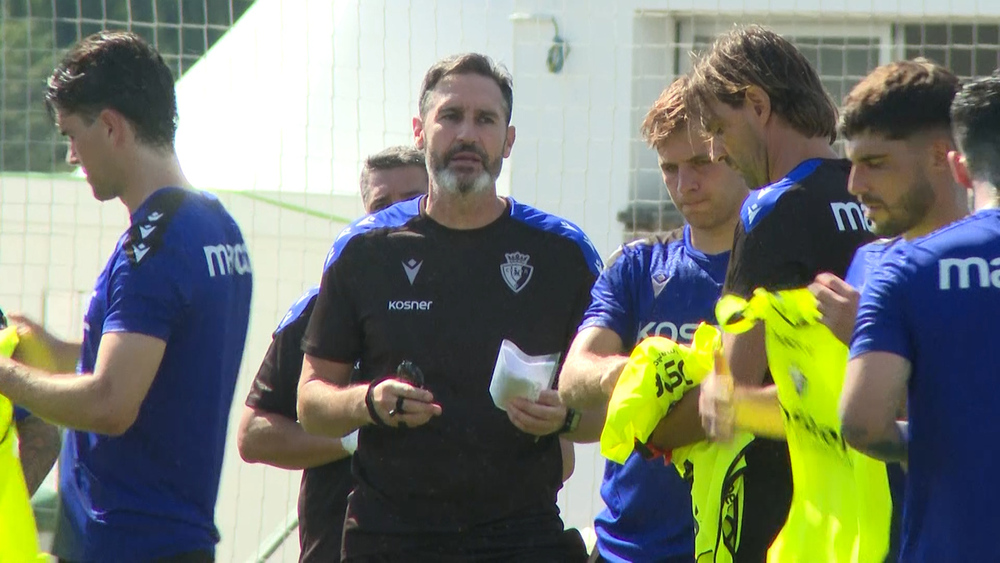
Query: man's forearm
891, 444
758, 411
590, 428
275, 440
585, 378
746, 356
329, 410
681, 426
70, 400
66, 355
38, 443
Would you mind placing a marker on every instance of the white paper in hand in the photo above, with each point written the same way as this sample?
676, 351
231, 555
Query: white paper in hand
517, 374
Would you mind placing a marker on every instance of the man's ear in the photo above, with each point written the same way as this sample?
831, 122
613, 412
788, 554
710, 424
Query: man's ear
759, 103
960, 169
418, 133
509, 142
117, 128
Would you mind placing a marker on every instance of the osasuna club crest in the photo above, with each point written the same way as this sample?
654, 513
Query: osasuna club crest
516, 272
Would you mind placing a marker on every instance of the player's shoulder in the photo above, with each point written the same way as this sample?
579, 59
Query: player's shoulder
975, 237
877, 246
163, 221
810, 191
979, 227
300, 311
374, 225
643, 249
549, 223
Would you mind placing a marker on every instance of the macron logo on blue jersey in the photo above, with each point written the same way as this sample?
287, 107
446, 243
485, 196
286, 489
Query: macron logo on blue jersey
964, 268
227, 259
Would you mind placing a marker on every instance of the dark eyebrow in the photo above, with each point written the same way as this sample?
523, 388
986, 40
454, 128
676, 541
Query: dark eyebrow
870, 157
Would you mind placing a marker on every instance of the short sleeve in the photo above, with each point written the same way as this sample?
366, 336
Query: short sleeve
611, 300
881, 322
20, 413
334, 331
776, 253
275, 387
149, 297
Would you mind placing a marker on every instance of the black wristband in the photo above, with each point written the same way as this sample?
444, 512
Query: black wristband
572, 421
370, 403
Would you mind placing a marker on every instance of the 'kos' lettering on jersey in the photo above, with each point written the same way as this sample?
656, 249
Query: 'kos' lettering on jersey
669, 330
850, 216
963, 268
410, 305
229, 258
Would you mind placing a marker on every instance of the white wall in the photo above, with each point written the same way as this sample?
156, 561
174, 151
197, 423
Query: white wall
55, 239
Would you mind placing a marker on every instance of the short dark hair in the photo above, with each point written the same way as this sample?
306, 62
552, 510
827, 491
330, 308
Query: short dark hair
755, 56
392, 157
117, 70
468, 63
667, 115
975, 118
900, 99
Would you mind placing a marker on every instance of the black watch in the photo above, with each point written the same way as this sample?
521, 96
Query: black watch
572, 421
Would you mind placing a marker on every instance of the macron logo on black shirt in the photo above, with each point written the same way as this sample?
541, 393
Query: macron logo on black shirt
849, 216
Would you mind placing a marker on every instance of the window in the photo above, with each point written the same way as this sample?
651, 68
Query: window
842, 53
967, 49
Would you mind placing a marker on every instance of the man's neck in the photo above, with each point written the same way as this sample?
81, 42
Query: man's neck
463, 211
715, 240
951, 205
985, 195
789, 148
149, 171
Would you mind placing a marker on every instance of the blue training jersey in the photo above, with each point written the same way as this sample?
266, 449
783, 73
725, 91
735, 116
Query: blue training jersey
866, 261
180, 274
654, 288
933, 301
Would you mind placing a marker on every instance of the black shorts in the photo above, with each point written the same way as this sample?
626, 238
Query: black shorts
767, 486
532, 539
202, 556
565, 547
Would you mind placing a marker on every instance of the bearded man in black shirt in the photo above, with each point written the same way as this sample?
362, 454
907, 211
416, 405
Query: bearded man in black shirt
423, 294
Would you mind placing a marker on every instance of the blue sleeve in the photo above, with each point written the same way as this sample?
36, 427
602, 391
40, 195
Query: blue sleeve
881, 324
149, 297
858, 269
612, 302
20, 413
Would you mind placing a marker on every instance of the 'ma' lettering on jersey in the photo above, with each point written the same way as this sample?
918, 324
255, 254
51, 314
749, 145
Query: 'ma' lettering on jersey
669, 330
850, 216
968, 271
410, 305
227, 259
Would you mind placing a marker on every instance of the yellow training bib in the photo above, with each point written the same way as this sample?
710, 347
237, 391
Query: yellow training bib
841, 508
18, 536
659, 372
